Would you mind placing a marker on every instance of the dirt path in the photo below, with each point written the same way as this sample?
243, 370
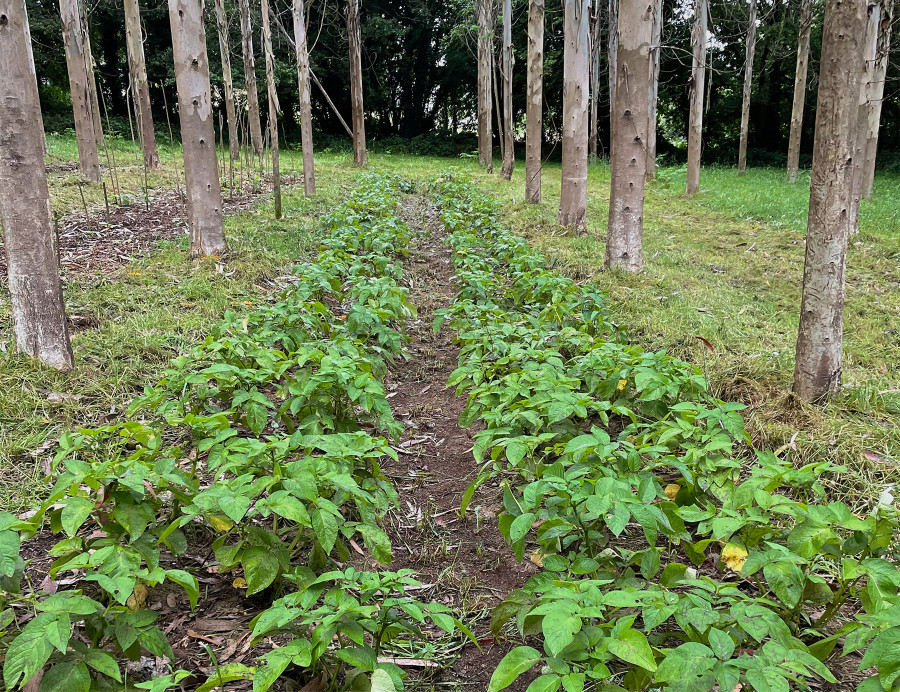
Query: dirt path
466, 559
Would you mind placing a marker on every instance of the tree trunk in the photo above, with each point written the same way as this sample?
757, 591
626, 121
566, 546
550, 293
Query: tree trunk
234, 144
497, 110
867, 67
274, 108
198, 137
576, 78
594, 141
698, 80
817, 369
137, 68
793, 166
354, 37
612, 52
485, 126
628, 165
509, 152
32, 256
250, 78
31, 64
306, 140
873, 120
79, 86
748, 84
655, 50
92, 78
534, 109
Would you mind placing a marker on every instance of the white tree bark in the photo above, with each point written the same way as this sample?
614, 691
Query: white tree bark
77, 61
509, 153
817, 369
140, 88
354, 35
38, 313
628, 165
596, 25
485, 124
655, 50
534, 108
256, 141
306, 140
873, 119
234, 144
793, 166
576, 84
274, 108
698, 80
198, 137
866, 93
748, 85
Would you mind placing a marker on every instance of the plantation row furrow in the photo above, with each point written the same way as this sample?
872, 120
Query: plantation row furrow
670, 560
261, 447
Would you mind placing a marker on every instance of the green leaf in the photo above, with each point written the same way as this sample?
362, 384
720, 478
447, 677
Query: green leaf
359, 656
515, 663
632, 647
326, 529
559, 627
786, 580
382, 681
377, 542
520, 527
28, 652
231, 672
234, 506
71, 602
545, 683
68, 676
75, 513
104, 663
260, 568
9, 553
883, 648
721, 643
188, 582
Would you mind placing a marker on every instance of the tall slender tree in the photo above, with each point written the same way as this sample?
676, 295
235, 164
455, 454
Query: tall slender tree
873, 120
534, 108
140, 88
509, 154
698, 81
250, 78
596, 50
793, 163
77, 61
866, 95
274, 108
612, 51
655, 53
485, 124
576, 82
306, 140
748, 85
234, 144
817, 368
32, 256
628, 164
198, 137
356, 88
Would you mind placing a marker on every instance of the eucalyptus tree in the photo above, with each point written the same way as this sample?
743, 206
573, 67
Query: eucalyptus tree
354, 38
302, 54
140, 88
506, 62
576, 90
534, 107
698, 82
793, 162
254, 124
748, 86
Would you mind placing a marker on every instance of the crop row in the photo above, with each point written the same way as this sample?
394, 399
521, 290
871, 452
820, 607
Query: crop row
674, 555
262, 446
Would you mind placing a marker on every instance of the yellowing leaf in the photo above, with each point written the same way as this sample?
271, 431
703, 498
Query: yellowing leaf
138, 597
244, 323
220, 524
239, 583
734, 556
671, 490
537, 557
621, 385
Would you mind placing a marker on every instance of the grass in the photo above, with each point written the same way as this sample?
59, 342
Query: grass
725, 265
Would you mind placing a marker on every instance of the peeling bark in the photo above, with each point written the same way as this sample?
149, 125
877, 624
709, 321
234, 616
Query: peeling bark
576, 82
628, 165
306, 140
817, 369
748, 85
250, 78
77, 61
873, 119
234, 143
198, 137
655, 49
698, 80
534, 108
36, 300
274, 108
509, 152
793, 165
137, 69
354, 37
485, 124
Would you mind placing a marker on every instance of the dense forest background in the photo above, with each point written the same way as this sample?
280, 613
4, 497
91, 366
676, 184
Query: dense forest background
419, 74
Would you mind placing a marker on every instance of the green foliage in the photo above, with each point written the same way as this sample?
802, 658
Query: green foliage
623, 470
